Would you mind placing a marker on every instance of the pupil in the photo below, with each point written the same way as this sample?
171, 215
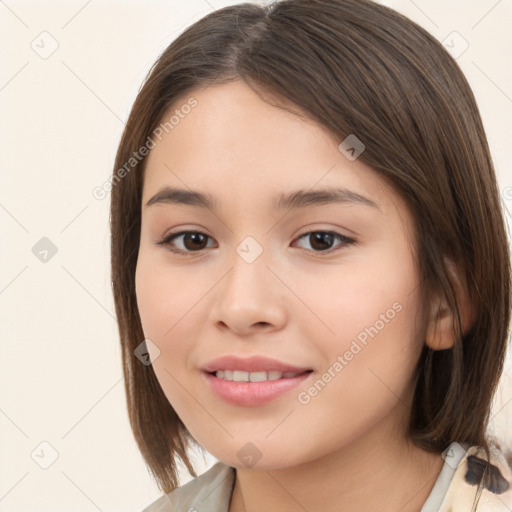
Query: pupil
321, 239
194, 237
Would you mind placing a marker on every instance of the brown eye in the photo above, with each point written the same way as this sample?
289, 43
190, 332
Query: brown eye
191, 241
187, 242
321, 241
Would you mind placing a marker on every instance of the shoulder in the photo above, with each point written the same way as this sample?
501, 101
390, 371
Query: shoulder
209, 491
467, 490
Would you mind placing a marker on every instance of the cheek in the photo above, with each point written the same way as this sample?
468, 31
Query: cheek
152, 299
163, 312
367, 316
167, 319
351, 297
369, 360
165, 296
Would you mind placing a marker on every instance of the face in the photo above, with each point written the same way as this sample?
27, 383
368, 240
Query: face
325, 285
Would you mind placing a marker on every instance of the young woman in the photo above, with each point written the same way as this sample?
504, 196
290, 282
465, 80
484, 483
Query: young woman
310, 267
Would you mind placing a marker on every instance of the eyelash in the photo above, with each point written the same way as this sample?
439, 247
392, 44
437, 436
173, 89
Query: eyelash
166, 242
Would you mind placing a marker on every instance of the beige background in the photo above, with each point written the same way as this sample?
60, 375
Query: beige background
62, 116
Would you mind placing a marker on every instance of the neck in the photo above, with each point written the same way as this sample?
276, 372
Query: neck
379, 471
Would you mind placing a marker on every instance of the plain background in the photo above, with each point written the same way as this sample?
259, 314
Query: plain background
62, 116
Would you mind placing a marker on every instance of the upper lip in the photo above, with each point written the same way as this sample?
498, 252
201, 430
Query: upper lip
251, 364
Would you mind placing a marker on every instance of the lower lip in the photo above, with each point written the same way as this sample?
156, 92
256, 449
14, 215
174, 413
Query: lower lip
253, 393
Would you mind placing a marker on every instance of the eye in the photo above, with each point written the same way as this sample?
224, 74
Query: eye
319, 240
194, 241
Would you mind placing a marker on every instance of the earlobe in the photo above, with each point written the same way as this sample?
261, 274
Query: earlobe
439, 335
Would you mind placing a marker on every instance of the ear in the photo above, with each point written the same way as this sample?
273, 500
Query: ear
439, 334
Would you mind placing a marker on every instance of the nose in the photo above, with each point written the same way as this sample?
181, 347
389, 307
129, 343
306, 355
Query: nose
249, 298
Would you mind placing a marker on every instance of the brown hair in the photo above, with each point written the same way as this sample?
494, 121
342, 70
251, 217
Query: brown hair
355, 67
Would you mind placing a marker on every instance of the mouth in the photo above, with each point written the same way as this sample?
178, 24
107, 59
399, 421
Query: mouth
254, 380
258, 376
253, 389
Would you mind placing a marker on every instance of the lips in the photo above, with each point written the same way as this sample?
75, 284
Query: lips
254, 394
252, 364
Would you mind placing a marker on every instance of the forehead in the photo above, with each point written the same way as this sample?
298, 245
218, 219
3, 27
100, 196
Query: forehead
235, 146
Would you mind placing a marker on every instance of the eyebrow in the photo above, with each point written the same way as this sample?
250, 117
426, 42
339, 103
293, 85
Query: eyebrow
289, 201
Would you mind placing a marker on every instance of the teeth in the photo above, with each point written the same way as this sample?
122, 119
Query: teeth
241, 376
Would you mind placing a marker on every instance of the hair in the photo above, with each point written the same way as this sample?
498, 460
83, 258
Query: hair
355, 67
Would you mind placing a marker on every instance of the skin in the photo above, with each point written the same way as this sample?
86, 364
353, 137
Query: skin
348, 444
